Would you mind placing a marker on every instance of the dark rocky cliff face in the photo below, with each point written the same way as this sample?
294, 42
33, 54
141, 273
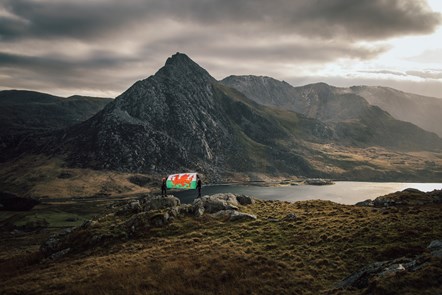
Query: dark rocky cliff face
22, 110
25, 114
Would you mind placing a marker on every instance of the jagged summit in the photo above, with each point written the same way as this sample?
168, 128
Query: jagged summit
179, 66
179, 58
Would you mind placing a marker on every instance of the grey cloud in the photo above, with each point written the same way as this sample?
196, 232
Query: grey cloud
426, 74
92, 73
369, 19
57, 64
429, 74
384, 72
251, 36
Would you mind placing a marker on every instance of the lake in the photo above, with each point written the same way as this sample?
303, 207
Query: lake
344, 192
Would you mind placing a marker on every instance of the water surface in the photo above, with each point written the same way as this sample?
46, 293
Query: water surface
344, 192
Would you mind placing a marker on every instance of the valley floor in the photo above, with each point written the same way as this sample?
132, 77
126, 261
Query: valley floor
309, 254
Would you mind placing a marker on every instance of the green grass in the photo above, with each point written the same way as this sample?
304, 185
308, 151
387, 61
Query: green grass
309, 255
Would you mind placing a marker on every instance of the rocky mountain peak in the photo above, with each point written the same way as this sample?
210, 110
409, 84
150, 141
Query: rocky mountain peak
179, 66
179, 59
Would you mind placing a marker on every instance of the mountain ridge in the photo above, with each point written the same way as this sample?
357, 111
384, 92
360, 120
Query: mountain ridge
350, 114
189, 121
182, 119
422, 111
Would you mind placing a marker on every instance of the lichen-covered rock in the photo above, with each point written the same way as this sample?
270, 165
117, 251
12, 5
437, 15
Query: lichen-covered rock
366, 203
59, 254
160, 202
241, 216
379, 270
233, 215
361, 278
159, 219
409, 197
318, 181
245, 200
436, 248
134, 218
54, 242
214, 203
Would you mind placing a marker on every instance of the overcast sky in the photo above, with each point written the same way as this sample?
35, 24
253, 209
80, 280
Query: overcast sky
101, 47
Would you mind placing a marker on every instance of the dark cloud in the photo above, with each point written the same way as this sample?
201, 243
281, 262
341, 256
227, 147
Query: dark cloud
368, 19
128, 40
95, 73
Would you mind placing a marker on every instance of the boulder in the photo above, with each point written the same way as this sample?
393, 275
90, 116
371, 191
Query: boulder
245, 200
290, 217
13, 202
159, 202
318, 181
361, 278
241, 216
159, 219
59, 254
378, 270
214, 203
436, 248
435, 245
233, 215
137, 223
54, 242
408, 197
366, 203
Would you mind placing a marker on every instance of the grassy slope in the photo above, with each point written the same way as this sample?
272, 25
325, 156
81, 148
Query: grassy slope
324, 244
43, 177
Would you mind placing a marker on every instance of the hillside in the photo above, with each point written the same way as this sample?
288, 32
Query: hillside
423, 111
354, 120
182, 119
306, 247
24, 110
28, 113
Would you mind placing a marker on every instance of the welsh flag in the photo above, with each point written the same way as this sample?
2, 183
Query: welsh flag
181, 181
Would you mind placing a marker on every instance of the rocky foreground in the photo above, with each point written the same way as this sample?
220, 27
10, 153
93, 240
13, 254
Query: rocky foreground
232, 244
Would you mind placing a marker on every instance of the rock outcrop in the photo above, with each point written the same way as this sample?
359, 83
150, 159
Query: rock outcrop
137, 217
223, 206
407, 197
318, 181
181, 118
380, 270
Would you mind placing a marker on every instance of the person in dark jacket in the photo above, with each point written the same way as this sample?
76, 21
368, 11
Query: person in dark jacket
164, 188
198, 185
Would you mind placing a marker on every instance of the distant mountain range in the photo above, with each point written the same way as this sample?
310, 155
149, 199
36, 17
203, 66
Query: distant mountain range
183, 119
353, 119
425, 112
422, 111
